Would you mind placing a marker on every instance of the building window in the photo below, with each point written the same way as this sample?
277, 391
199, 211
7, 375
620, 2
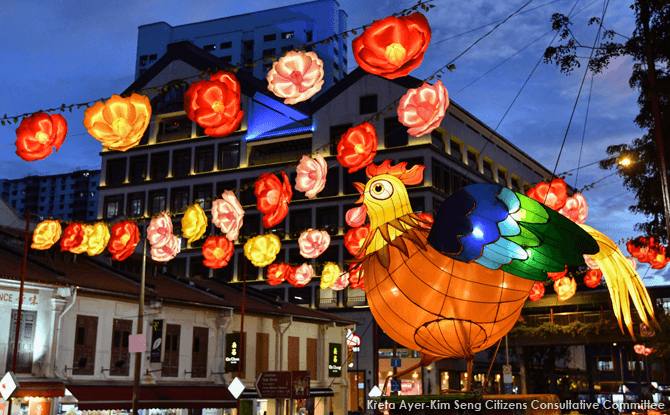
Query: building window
119, 364
632, 364
135, 205
287, 35
332, 187
488, 169
263, 352
138, 169
226, 45
517, 184
285, 151
605, 364
84, 345
204, 159
176, 128
418, 204
223, 186
249, 46
229, 156
170, 366
502, 176
308, 36
269, 38
328, 218
299, 296
143, 59
199, 352
157, 202
227, 59
209, 48
247, 196
159, 165
441, 177
285, 49
368, 104
472, 159
203, 195
336, 132
113, 206
153, 57
395, 134
181, 163
180, 199
267, 66
300, 221
268, 52
312, 347
335, 80
456, 150
336, 66
251, 225
294, 353
116, 172
24, 358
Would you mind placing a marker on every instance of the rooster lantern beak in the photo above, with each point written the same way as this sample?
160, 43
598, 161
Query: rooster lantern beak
361, 188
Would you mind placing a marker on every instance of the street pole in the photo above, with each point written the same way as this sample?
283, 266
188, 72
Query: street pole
140, 329
395, 369
243, 345
656, 114
18, 315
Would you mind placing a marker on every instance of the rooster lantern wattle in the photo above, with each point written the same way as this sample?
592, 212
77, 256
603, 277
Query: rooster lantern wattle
457, 288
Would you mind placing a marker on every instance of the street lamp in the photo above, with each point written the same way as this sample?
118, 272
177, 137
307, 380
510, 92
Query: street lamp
625, 162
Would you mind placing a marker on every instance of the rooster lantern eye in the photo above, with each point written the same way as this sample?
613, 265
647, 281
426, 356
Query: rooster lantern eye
381, 190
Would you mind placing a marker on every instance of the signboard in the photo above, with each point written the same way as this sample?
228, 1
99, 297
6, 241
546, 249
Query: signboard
300, 384
334, 360
396, 362
156, 340
234, 357
138, 343
274, 385
395, 386
30, 297
507, 374
8, 385
39, 406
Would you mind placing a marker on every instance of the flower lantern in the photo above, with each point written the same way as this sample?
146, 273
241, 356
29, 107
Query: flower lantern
557, 275
217, 251
160, 230
565, 288
262, 250
83, 246
215, 104
297, 76
330, 274
394, 46
194, 223
590, 262
353, 239
428, 220
301, 275
641, 248
341, 283
46, 234
355, 217
659, 260
313, 243
537, 291
357, 147
422, 109
356, 277
575, 208
98, 237
593, 278
119, 123
311, 177
124, 239
228, 215
278, 273
167, 251
73, 237
554, 194
38, 134
273, 198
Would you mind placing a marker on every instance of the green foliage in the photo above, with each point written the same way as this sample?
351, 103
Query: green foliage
576, 329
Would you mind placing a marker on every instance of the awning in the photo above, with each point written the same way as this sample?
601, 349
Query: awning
39, 389
252, 393
115, 396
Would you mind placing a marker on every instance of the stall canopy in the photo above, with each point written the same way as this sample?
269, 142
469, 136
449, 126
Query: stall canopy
113, 397
39, 389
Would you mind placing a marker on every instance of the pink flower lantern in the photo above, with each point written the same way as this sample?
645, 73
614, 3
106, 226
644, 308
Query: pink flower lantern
575, 209
296, 76
422, 109
313, 243
167, 251
227, 215
311, 177
302, 275
160, 230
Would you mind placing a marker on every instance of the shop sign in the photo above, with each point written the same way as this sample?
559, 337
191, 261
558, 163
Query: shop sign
234, 357
8, 385
274, 385
335, 360
10, 296
300, 384
39, 406
156, 340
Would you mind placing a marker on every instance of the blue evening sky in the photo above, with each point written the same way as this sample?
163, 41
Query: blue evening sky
71, 52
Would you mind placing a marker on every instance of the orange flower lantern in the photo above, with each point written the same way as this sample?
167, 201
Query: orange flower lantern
278, 273
593, 278
215, 104
357, 147
356, 277
394, 46
554, 194
565, 288
73, 237
38, 134
217, 251
659, 260
353, 240
46, 234
120, 122
557, 275
537, 291
273, 198
125, 237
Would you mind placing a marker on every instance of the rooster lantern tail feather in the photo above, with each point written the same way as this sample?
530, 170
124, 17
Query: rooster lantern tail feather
500, 229
622, 281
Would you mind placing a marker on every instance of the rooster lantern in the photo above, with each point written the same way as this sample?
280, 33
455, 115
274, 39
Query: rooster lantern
457, 288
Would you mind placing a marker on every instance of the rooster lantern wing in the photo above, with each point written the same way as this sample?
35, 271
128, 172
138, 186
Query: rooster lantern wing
459, 287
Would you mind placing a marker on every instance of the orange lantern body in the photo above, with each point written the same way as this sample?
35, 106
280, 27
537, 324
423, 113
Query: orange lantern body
217, 251
120, 122
124, 239
38, 134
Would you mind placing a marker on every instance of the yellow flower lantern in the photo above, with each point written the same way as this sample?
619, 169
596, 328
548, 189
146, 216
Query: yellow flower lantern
194, 223
98, 237
330, 274
83, 246
565, 288
46, 234
262, 250
120, 122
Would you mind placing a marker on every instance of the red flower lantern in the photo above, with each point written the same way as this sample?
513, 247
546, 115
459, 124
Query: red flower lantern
428, 218
354, 239
215, 104
38, 134
356, 279
659, 260
217, 251
593, 278
124, 239
357, 147
273, 198
643, 249
537, 291
73, 236
278, 273
554, 194
557, 275
394, 46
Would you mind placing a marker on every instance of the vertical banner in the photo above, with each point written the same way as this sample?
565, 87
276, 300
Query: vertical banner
39, 406
334, 360
156, 340
233, 352
301, 380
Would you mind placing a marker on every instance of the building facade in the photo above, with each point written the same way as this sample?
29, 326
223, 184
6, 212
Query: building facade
69, 196
247, 38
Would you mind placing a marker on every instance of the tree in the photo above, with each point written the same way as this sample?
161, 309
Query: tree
642, 176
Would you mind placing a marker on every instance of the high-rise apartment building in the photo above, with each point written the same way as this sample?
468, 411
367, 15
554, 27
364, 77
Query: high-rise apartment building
249, 37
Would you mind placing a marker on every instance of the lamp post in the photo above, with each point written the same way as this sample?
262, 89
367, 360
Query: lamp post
140, 329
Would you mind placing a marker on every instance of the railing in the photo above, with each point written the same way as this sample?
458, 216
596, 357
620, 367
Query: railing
563, 319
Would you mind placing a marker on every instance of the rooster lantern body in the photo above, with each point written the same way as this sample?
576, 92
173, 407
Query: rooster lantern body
459, 287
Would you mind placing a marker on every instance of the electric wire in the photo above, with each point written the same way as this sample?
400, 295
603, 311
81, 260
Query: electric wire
586, 118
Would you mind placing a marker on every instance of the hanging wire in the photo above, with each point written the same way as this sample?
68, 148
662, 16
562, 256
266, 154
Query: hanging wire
586, 118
